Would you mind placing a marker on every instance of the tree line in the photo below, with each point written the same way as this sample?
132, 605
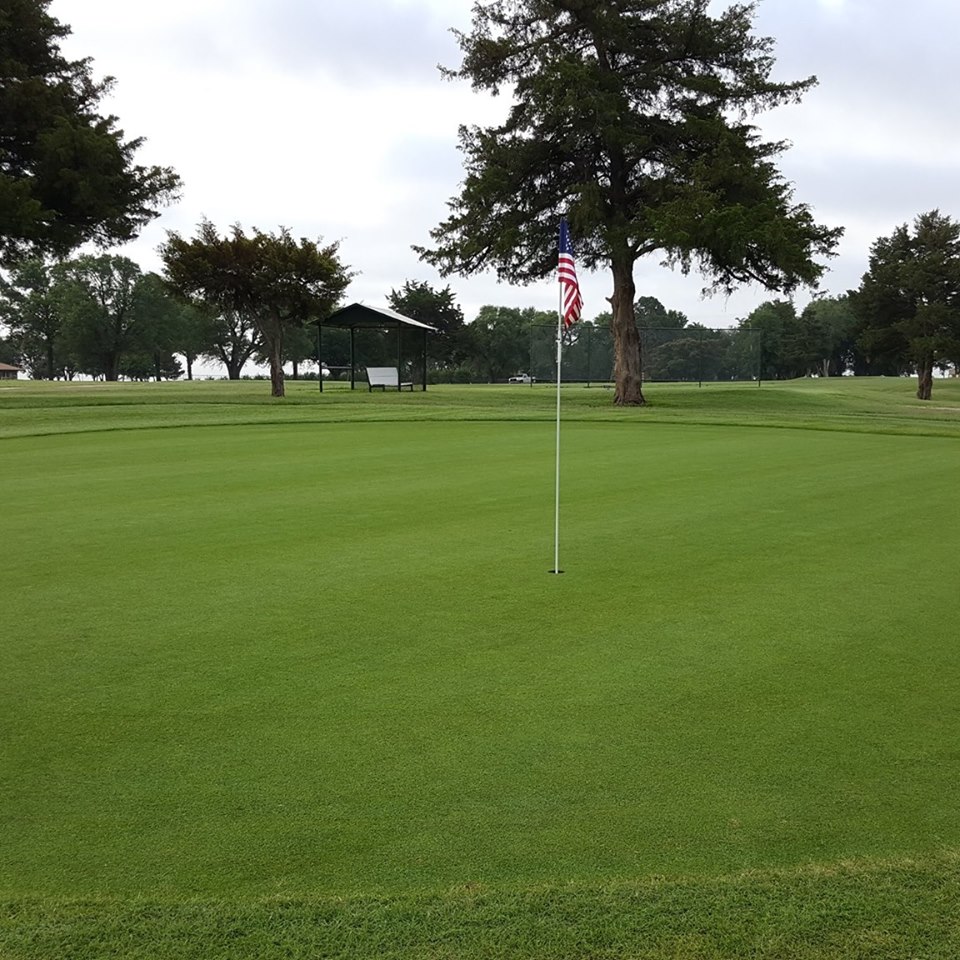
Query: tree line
101, 316
883, 328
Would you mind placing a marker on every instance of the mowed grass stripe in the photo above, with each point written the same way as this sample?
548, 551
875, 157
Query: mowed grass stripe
874, 405
254, 661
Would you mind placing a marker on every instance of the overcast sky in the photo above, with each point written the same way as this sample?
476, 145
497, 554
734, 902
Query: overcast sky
330, 118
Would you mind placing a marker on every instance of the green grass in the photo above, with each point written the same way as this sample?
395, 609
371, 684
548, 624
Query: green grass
861, 405
291, 678
905, 909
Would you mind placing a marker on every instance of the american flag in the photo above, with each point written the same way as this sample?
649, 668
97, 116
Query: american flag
571, 303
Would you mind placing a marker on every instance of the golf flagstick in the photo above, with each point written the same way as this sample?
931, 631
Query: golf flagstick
568, 313
556, 512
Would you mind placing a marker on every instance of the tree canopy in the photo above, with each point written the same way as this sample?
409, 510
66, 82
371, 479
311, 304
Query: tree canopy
651, 313
273, 280
98, 316
438, 308
830, 326
112, 310
31, 307
67, 173
908, 302
498, 341
630, 116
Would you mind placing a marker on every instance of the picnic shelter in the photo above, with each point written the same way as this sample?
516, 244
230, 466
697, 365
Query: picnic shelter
359, 316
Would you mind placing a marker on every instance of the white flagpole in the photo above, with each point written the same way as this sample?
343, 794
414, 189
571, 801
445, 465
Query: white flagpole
556, 517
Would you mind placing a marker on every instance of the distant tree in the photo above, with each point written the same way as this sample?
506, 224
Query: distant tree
587, 350
299, 344
144, 364
676, 349
30, 307
743, 356
336, 350
783, 344
831, 327
159, 328
498, 340
602, 350
275, 281
658, 328
191, 334
9, 351
67, 176
233, 338
419, 301
109, 310
302, 348
690, 353
908, 302
629, 116
650, 313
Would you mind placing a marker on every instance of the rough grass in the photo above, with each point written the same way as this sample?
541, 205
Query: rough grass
858, 911
303, 687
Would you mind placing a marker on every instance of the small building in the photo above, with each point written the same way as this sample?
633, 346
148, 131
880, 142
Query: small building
8, 372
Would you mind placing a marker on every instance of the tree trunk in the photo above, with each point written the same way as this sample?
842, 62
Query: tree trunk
275, 344
233, 360
925, 378
627, 369
189, 358
49, 358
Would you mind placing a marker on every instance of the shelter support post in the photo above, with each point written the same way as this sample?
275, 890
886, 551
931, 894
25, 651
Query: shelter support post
353, 364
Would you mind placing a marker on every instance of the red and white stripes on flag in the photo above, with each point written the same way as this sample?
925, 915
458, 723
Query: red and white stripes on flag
571, 303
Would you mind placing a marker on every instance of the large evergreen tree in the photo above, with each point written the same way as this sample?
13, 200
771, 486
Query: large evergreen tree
631, 116
67, 175
908, 302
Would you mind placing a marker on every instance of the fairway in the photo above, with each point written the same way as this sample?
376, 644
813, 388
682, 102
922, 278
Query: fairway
325, 659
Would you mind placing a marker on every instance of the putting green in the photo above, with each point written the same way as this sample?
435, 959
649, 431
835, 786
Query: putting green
328, 657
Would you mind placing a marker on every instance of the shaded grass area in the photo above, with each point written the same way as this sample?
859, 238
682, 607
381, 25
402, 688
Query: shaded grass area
859, 911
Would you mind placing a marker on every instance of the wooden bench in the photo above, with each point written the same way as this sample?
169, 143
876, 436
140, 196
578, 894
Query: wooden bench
384, 377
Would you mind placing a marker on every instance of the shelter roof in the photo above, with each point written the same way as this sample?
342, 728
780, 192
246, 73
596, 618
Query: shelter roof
359, 315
